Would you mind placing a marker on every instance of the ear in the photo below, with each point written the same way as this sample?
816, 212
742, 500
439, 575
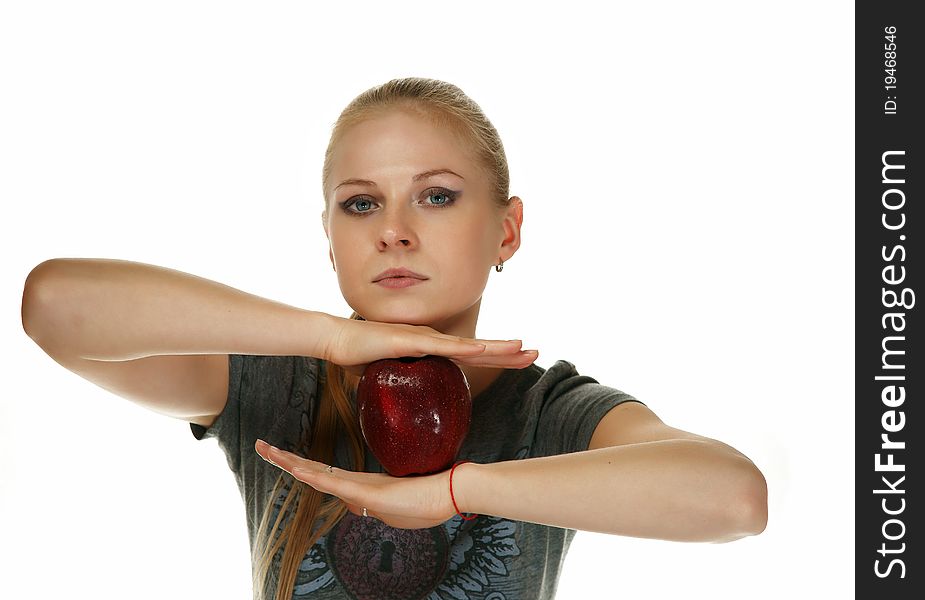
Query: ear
513, 219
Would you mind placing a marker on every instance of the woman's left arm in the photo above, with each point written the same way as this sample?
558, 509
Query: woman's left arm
638, 478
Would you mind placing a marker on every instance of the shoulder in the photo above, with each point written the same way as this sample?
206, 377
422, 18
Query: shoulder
563, 379
567, 406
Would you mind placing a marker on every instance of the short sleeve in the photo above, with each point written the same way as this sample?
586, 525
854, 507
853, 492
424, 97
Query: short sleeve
269, 397
227, 426
573, 406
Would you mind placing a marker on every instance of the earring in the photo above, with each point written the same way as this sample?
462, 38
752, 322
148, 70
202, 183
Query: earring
499, 266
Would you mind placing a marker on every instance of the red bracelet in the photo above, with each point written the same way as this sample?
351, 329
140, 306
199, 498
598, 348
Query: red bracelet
453, 498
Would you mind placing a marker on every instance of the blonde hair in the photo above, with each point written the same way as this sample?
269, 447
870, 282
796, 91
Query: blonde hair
305, 515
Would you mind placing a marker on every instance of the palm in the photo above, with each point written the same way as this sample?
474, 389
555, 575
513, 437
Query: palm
407, 502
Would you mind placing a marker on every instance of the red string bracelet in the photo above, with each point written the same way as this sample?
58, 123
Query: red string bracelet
453, 498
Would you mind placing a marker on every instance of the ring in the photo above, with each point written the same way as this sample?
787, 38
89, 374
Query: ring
329, 469
365, 514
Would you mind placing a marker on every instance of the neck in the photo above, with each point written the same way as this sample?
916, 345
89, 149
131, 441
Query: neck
463, 324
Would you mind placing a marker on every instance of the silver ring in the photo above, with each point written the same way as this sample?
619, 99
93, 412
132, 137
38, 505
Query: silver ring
365, 514
329, 469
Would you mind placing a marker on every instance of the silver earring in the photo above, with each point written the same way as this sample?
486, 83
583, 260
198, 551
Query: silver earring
499, 266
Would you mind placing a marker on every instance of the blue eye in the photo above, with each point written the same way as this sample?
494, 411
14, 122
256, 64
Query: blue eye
360, 202
449, 197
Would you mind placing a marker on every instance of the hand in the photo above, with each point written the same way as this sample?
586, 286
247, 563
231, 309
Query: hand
413, 502
353, 344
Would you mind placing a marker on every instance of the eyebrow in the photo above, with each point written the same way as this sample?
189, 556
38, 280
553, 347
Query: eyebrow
416, 178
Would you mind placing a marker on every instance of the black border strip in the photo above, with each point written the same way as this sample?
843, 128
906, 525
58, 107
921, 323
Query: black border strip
889, 368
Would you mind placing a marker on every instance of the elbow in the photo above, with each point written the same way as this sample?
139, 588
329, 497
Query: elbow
749, 509
37, 299
31, 294
755, 501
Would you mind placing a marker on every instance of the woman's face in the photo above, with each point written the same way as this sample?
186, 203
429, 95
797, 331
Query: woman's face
443, 226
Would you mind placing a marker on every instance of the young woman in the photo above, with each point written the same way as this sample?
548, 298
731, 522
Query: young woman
417, 214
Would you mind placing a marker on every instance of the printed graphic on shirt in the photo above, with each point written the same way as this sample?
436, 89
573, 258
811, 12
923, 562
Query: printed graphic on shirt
370, 560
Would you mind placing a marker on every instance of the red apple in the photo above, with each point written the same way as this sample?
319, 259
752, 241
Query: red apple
414, 413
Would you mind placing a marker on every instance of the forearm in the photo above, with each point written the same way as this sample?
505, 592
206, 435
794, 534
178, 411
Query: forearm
120, 310
683, 490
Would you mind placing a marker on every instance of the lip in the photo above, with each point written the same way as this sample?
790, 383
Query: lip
399, 272
399, 282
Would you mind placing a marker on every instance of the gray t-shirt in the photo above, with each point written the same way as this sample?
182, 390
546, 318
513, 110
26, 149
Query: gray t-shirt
524, 413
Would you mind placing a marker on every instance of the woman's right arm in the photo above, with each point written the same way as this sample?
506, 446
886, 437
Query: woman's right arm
157, 336
161, 338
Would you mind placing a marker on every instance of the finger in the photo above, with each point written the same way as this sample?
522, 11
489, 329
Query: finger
447, 347
491, 348
358, 510
274, 456
324, 478
490, 345
263, 450
283, 459
352, 492
501, 348
496, 354
514, 361
327, 479
499, 344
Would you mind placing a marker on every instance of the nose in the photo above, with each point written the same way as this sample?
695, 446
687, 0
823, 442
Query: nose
396, 232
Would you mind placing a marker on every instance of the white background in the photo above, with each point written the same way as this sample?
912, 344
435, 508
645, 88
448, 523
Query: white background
687, 174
